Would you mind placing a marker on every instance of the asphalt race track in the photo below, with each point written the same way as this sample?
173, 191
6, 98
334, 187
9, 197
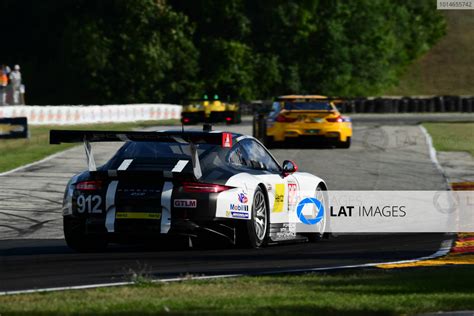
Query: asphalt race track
392, 156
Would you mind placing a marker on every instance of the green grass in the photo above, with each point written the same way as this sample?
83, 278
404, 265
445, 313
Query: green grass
448, 68
18, 152
374, 292
452, 136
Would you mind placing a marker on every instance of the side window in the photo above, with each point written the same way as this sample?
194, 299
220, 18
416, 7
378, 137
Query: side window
275, 110
258, 157
238, 157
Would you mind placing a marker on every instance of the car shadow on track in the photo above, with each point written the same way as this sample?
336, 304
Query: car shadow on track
297, 144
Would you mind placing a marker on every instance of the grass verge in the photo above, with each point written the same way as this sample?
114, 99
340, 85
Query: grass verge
452, 136
448, 68
372, 292
17, 152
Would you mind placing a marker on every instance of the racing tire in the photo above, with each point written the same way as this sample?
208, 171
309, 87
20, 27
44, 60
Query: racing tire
77, 239
345, 144
254, 232
315, 237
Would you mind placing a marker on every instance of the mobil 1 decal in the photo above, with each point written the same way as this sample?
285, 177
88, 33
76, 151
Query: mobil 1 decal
240, 209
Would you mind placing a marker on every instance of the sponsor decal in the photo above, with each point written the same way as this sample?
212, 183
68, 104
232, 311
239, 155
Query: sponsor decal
13, 127
279, 197
285, 231
184, 203
137, 215
226, 140
239, 207
292, 190
269, 187
314, 203
242, 197
240, 215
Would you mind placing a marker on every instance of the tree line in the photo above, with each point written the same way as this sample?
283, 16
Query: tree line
133, 51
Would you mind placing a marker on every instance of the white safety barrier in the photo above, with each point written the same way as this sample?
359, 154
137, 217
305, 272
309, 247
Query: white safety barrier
77, 114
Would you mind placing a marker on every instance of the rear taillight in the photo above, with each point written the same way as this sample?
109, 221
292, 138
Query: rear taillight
197, 187
285, 119
186, 120
228, 119
89, 185
338, 119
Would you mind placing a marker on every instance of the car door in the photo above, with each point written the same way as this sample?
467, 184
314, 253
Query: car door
282, 191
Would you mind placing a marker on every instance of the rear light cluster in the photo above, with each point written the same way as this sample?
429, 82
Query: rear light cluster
337, 119
285, 119
186, 120
228, 119
89, 185
197, 187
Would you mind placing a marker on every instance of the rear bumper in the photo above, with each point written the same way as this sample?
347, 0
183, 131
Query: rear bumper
193, 117
212, 117
224, 116
327, 132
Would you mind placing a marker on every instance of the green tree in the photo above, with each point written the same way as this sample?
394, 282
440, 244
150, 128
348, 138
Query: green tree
121, 51
131, 51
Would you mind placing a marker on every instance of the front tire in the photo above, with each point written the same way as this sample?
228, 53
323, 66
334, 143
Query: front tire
77, 239
255, 231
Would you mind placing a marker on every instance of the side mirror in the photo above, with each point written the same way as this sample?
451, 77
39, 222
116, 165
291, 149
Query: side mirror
289, 167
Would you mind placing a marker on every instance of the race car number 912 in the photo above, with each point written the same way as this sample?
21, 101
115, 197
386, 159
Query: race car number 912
89, 204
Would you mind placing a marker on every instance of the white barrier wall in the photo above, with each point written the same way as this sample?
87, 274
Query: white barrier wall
77, 114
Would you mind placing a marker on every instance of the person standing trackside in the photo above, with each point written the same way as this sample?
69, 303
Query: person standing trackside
15, 79
3, 86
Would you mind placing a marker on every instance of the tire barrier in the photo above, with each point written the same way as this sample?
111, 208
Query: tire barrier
259, 126
407, 104
396, 104
71, 114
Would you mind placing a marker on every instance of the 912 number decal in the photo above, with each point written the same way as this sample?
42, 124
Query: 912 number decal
89, 204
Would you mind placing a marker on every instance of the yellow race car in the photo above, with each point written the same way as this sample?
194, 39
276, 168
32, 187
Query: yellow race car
210, 111
311, 117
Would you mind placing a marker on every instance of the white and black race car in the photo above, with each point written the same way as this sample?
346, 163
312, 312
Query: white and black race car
195, 184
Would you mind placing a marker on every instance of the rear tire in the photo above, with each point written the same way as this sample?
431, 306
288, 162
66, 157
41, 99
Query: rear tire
254, 232
345, 144
77, 239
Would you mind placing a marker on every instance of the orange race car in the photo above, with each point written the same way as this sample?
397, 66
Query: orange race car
313, 117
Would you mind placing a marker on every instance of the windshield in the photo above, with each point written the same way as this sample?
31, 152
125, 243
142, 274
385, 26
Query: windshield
315, 106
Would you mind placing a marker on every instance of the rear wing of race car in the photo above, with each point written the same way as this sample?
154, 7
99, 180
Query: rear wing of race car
190, 138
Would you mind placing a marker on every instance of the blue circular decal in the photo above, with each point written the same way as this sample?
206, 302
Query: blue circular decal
319, 206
